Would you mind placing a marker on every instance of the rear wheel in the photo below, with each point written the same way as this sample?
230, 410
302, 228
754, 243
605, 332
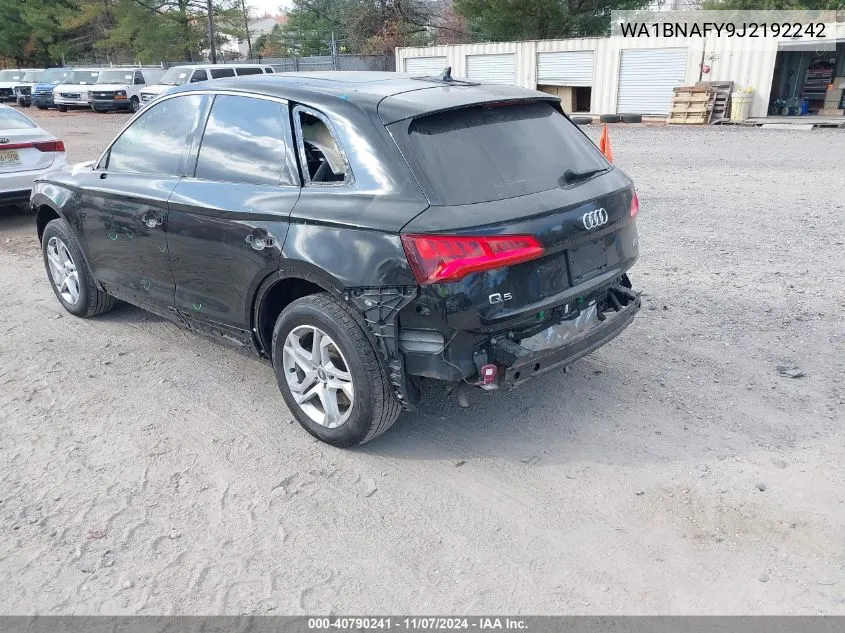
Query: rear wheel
69, 275
329, 374
62, 108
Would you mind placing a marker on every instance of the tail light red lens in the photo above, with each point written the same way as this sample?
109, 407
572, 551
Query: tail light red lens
440, 258
635, 205
49, 146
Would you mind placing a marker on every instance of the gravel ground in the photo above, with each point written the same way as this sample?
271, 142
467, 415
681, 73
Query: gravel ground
145, 470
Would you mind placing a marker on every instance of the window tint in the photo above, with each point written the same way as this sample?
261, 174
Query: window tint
243, 142
158, 141
496, 151
319, 150
218, 73
199, 75
268, 69
139, 78
248, 71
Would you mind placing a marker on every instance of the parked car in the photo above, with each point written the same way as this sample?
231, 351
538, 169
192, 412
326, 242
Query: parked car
361, 230
74, 89
23, 88
180, 75
42, 92
8, 80
120, 88
26, 151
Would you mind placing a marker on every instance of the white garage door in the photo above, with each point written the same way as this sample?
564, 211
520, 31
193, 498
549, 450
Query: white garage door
494, 69
646, 79
565, 68
425, 66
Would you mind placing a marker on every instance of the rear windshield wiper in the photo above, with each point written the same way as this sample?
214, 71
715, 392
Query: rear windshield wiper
570, 175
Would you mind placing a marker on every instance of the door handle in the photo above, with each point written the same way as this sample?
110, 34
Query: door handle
260, 239
151, 219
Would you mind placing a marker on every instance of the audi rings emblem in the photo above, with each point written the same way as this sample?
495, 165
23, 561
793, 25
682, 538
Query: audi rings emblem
594, 219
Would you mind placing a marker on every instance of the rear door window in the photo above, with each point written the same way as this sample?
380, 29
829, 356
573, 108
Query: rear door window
494, 152
244, 142
248, 71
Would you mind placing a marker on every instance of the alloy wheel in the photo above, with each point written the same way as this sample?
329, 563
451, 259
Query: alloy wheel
318, 376
63, 270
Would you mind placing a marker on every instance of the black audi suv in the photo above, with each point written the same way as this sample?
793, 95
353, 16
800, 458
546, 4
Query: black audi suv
362, 231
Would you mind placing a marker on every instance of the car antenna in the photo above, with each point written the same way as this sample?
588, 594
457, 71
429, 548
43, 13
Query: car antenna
446, 75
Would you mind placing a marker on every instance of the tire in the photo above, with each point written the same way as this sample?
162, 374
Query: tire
582, 120
41, 107
62, 108
134, 105
90, 301
610, 118
373, 408
632, 118
24, 105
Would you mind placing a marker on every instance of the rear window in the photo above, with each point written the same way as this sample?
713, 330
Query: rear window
494, 152
12, 120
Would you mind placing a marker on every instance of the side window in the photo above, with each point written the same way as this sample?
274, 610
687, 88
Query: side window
268, 69
251, 70
139, 78
319, 151
219, 73
244, 141
158, 141
199, 75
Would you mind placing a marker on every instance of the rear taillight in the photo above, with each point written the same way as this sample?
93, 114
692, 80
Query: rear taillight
41, 146
49, 146
635, 205
439, 258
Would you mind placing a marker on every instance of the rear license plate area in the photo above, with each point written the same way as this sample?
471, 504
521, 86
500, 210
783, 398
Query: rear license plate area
9, 157
587, 261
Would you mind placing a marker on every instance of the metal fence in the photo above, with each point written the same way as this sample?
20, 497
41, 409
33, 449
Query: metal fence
282, 64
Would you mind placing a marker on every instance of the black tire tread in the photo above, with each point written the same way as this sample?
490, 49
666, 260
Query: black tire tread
99, 302
385, 407
582, 120
632, 118
610, 118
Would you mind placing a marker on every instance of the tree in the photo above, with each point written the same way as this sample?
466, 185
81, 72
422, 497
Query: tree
500, 20
768, 5
14, 32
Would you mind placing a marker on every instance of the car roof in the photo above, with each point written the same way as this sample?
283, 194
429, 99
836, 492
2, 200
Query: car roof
207, 66
388, 93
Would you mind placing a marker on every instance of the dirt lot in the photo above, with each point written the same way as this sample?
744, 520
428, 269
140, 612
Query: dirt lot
146, 470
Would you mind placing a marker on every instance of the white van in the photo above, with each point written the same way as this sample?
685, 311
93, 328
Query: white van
120, 88
73, 91
179, 75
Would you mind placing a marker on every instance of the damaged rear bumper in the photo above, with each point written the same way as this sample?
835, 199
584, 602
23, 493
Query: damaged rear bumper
521, 363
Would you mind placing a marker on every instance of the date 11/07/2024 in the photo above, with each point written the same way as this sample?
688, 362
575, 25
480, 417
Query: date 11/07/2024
417, 623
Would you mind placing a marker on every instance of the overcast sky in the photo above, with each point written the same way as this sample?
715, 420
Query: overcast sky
261, 7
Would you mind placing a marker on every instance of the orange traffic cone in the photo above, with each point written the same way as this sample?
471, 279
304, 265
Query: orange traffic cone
604, 144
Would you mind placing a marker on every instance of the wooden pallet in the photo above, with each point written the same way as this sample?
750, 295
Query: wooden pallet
691, 105
720, 107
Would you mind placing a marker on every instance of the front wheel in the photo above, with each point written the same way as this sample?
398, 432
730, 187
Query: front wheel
72, 282
329, 374
135, 104
62, 108
41, 107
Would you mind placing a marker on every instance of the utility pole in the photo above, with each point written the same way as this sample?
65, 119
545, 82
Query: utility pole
334, 53
211, 34
246, 26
